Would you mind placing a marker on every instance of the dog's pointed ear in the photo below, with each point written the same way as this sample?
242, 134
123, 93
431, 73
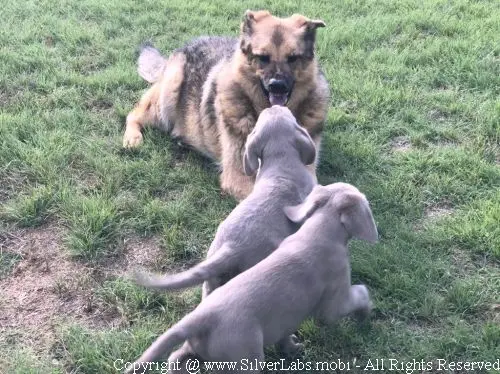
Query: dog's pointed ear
305, 146
309, 34
248, 21
250, 18
356, 216
315, 23
316, 199
246, 32
309, 24
253, 151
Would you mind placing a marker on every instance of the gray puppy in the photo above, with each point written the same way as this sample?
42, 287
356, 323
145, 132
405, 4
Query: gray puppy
257, 225
308, 275
279, 149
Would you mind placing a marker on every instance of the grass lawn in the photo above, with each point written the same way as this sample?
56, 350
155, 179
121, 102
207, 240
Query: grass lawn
414, 123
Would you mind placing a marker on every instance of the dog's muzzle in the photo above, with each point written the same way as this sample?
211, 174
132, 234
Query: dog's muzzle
278, 91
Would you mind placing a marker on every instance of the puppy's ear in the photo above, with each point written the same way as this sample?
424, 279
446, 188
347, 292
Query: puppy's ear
356, 216
306, 146
253, 151
316, 199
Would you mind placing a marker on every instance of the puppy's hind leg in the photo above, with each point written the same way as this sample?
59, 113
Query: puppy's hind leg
354, 301
177, 360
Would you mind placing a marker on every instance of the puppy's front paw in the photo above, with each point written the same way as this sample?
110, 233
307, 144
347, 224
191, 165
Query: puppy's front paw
135, 368
362, 314
132, 139
290, 345
364, 302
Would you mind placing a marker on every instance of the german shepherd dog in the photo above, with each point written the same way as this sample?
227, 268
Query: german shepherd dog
210, 92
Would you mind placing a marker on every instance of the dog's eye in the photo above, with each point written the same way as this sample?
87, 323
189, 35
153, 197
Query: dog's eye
292, 58
264, 59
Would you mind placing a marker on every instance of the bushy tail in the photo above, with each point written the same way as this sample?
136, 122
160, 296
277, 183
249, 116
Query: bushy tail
151, 63
186, 328
220, 262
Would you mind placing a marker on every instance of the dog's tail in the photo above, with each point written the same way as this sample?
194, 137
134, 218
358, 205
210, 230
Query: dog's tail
191, 325
151, 63
220, 262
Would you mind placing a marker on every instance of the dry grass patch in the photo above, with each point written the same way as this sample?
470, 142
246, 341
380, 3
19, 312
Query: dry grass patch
46, 288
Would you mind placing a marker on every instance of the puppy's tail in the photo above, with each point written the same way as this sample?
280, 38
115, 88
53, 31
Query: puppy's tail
220, 262
186, 328
151, 63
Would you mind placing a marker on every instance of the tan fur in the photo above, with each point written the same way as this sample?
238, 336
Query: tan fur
218, 125
159, 99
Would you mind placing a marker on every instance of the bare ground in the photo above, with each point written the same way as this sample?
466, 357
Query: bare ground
48, 287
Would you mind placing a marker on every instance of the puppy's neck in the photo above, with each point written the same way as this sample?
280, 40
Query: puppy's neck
284, 166
323, 225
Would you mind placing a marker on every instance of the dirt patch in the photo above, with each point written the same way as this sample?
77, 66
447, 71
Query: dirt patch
45, 288
436, 212
463, 262
349, 106
437, 115
99, 104
138, 253
432, 213
495, 311
401, 144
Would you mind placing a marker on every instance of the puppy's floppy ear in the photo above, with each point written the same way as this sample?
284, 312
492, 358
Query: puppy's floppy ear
356, 216
253, 151
316, 199
305, 146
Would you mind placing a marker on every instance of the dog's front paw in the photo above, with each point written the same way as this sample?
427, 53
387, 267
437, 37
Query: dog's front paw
238, 186
132, 139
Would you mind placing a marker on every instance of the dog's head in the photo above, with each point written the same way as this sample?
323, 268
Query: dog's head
277, 133
279, 51
345, 203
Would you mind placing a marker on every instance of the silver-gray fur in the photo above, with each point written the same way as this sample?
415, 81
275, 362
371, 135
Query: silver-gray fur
258, 224
308, 275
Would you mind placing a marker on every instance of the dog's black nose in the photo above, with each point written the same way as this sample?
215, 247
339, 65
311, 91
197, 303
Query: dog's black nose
278, 86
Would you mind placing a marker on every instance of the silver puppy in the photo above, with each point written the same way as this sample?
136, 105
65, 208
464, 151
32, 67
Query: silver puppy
279, 149
308, 275
257, 225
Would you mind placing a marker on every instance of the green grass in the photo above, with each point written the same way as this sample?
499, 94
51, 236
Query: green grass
414, 123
